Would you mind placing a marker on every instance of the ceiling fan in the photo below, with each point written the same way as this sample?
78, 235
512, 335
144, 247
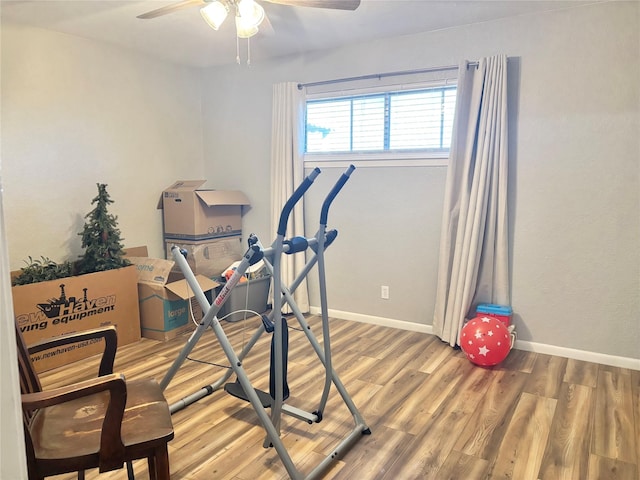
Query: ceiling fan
248, 13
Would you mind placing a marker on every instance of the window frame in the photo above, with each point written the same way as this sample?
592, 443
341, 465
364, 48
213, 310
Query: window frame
386, 158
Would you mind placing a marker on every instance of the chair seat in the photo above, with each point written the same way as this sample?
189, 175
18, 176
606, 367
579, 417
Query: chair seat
70, 432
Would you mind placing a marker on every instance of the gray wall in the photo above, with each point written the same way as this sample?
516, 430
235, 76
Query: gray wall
574, 106
76, 113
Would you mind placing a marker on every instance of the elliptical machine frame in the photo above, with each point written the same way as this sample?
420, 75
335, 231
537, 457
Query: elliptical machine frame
276, 324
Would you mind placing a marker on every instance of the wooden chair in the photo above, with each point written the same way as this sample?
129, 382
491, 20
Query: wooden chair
100, 423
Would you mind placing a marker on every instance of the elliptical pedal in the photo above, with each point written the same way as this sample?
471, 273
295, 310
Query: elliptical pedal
235, 389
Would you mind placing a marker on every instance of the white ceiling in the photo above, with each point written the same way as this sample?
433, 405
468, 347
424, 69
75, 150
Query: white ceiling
183, 37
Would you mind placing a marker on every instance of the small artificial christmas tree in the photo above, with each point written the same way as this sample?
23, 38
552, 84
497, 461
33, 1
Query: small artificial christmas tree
101, 238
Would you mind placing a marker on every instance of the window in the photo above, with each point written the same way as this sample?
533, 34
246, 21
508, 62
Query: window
409, 123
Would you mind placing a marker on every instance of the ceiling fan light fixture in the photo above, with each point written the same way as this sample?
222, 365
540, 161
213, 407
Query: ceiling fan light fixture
250, 13
243, 30
215, 13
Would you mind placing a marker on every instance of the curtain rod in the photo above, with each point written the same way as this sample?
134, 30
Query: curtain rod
382, 75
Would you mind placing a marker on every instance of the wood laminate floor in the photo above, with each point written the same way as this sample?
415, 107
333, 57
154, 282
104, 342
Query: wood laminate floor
432, 414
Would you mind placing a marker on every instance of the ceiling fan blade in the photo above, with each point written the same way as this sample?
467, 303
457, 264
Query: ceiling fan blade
334, 4
171, 8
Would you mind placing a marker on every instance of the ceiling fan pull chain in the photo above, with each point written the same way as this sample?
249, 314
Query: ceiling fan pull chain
248, 51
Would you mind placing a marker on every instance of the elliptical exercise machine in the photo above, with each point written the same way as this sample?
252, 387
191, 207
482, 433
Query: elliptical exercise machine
275, 324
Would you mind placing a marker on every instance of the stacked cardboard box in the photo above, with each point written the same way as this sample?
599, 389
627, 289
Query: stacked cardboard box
209, 257
74, 304
206, 223
167, 304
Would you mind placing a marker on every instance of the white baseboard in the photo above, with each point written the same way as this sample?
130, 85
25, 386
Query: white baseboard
594, 357
382, 321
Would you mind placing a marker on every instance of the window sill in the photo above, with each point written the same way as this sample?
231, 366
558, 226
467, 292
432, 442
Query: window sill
377, 160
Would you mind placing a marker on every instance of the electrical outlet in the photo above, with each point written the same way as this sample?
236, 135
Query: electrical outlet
384, 292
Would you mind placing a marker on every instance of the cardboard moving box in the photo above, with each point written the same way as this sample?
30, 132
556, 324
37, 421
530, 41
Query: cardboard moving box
75, 304
166, 303
210, 257
197, 214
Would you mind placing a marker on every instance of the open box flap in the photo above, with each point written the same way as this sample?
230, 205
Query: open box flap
214, 198
153, 271
182, 289
180, 186
186, 185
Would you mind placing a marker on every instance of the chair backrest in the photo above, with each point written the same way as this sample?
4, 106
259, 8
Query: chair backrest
29, 381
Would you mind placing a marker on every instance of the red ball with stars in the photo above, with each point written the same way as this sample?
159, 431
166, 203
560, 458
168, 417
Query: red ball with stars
485, 340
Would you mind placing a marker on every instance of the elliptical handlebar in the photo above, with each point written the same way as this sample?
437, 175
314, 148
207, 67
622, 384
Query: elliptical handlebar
297, 195
324, 213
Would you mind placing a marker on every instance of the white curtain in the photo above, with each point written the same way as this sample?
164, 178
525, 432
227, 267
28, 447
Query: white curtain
474, 258
287, 172
13, 462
